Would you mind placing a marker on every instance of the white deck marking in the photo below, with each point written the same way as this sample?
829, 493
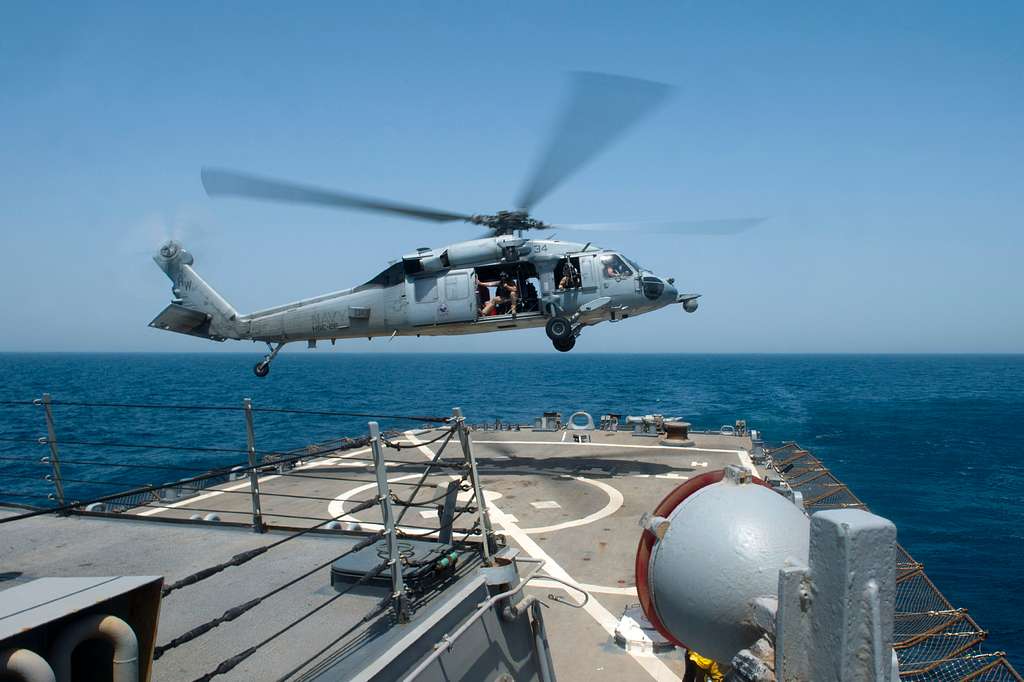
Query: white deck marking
610, 445
599, 589
746, 461
336, 507
615, 501
655, 667
546, 504
699, 464
325, 461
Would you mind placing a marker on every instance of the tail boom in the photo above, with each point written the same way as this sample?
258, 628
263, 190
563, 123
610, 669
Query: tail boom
197, 309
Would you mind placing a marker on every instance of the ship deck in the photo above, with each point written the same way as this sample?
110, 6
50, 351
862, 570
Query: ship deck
574, 505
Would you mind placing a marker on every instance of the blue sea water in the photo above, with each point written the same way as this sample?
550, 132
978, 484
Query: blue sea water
933, 442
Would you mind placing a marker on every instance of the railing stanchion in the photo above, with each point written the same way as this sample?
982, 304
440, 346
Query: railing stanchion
51, 440
254, 476
481, 503
398, 595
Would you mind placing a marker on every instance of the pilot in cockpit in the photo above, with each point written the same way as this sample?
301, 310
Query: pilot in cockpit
614, 267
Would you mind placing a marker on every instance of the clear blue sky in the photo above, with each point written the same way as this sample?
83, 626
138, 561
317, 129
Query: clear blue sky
884, 141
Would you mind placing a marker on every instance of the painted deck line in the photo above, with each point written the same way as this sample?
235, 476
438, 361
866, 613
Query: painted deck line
747, 462
607, 445
654, 667
597, 589
615, 501
325, 461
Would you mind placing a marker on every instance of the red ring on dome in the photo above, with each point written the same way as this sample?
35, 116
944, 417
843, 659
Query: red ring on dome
647, 540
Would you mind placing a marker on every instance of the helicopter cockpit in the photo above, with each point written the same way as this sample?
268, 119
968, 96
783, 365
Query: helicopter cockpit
614, 267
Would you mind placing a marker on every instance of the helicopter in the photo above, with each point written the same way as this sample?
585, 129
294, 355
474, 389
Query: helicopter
561, 286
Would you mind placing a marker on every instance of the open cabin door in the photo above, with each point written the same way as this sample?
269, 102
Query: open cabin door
442, 298
588, 276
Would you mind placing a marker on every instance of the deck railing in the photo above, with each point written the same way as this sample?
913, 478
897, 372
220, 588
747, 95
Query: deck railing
82, 474
933, 640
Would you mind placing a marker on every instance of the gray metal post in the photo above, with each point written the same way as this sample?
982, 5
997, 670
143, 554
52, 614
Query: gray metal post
387, 513
853, 566
254, 477
481, 503
51, 440
447, 518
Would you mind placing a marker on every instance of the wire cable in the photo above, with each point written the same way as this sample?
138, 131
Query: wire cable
232, 408
243, 557
141, 490
426, 472
229, 664
381, 606
236, 611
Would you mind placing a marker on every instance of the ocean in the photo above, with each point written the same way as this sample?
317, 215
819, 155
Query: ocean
934, 443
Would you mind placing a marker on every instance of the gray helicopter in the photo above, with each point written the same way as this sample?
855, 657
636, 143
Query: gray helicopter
504, 280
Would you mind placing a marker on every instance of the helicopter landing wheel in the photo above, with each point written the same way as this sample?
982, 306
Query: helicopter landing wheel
565, 345
262, 368
558, 328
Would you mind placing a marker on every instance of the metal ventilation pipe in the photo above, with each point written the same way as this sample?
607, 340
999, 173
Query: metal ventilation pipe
25, 665
99, 626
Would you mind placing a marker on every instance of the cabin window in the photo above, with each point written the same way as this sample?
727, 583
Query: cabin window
614, 267
425, 289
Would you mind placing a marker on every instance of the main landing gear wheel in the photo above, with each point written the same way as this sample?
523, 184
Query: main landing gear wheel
262, 367
565, 345
558, 328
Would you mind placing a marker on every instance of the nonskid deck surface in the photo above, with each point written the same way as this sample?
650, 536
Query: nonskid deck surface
574, 505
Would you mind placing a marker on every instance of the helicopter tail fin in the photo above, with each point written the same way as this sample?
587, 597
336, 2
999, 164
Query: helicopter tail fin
197, 309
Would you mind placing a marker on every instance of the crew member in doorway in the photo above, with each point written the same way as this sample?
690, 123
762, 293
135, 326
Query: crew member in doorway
483, 298
506, 296
570, 278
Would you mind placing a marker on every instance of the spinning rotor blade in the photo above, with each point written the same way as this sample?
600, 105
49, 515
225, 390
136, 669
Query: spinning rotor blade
600, 108
712, 227
219, 182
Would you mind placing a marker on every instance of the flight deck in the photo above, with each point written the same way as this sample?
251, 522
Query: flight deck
562, 505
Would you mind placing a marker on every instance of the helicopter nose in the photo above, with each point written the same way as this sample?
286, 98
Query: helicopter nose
655, 288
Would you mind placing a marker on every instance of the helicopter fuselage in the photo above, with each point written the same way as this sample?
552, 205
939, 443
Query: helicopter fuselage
435, 292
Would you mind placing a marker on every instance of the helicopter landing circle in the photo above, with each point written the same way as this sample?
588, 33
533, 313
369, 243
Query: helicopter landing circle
336, 508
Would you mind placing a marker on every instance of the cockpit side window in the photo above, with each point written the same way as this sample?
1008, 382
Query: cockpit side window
614, 267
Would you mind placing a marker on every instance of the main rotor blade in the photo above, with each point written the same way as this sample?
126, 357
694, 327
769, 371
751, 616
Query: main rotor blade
711, 227
600, 108
220, 182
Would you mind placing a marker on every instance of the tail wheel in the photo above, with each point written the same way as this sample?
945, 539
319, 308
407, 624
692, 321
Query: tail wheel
565, 345
261, 369
558, 328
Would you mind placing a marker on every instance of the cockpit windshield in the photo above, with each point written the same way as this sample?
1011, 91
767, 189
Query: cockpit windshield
613, 266
633, 264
